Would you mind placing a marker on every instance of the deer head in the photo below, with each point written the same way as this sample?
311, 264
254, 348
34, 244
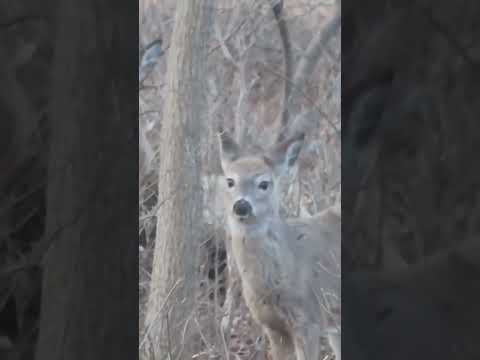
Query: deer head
251, 180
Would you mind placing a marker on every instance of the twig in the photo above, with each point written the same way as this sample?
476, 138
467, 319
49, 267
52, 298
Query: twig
305, 95
162, 306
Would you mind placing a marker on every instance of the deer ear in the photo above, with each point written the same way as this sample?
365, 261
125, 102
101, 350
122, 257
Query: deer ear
284, 154
229, 149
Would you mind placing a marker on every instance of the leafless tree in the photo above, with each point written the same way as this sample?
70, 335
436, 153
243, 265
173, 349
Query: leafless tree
256, 49
180, 192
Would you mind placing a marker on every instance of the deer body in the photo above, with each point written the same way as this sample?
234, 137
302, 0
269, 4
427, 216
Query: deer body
283, 264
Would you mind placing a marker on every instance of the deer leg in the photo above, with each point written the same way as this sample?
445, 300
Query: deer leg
281, 343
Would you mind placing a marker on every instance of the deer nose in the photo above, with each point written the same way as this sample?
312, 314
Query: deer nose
242, 208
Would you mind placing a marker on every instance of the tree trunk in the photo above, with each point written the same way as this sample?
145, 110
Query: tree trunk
90, 287
171, 298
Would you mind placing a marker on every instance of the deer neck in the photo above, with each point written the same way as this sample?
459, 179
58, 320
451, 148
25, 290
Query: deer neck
253, 235
259, 249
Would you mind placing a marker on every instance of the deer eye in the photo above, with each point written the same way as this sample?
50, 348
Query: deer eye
230, 183
264, 185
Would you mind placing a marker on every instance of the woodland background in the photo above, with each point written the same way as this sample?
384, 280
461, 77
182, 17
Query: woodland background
245, 78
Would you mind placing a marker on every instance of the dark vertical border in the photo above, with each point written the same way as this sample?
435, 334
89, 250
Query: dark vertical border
69, 162
410, 205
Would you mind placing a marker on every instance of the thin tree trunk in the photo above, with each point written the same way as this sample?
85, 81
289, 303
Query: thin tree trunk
171, 298
90, 288
295, 81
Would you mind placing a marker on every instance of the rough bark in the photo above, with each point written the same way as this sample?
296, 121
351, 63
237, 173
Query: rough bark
90, 302
180, 198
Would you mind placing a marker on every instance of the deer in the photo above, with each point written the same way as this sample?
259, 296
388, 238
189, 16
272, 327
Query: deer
284, 264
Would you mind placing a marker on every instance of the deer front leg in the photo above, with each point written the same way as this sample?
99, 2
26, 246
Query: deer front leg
281, 343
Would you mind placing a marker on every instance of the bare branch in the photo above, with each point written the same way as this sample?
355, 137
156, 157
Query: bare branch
288, 128
224, 46
314, 51
287, 53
